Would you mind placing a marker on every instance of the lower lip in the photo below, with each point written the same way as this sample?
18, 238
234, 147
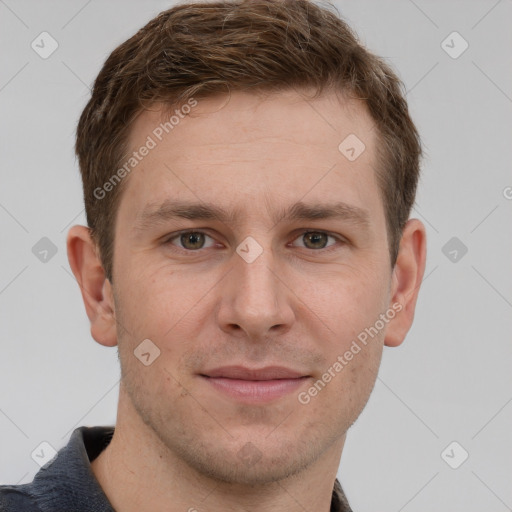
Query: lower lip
255, 390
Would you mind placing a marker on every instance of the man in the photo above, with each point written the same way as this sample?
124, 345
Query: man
248, 171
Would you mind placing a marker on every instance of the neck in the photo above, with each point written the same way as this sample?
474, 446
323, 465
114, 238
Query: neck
138, 472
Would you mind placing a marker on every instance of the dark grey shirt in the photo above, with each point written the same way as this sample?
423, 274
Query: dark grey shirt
67, 483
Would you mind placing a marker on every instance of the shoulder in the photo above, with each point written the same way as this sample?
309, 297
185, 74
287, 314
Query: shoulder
16, 498
65, 483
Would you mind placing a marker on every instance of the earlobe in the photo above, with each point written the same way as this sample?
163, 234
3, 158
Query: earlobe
95, 287
406, 280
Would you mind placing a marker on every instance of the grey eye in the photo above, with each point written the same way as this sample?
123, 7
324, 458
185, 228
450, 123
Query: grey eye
192, 240
315, 240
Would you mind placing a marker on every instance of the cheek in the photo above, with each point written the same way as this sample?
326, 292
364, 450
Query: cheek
154, 301
346, 302
350, 372
169, 308
338, 396
353, 348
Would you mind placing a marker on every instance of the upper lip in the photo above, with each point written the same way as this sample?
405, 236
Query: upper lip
243, 373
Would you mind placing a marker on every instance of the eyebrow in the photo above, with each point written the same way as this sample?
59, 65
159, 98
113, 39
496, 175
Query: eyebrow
155, 214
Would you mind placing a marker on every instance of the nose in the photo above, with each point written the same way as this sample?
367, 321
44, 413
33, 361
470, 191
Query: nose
256, 301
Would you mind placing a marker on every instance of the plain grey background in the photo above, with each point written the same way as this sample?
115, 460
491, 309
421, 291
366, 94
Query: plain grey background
449, 382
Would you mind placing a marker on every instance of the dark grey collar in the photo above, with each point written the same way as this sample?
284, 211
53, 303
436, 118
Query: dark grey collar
67, 482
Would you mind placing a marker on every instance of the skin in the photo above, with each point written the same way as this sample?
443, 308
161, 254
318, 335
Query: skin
179, 442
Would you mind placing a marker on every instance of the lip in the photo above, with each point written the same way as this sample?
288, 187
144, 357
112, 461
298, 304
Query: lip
243, 373
252, 385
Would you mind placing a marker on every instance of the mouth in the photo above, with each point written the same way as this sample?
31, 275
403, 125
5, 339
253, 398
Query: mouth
254, 385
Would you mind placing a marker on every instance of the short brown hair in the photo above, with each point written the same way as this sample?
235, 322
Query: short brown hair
202, 49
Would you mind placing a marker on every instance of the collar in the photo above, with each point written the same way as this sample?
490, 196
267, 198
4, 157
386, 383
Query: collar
68, 483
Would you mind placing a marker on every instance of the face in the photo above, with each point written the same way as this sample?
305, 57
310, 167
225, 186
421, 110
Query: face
252, 253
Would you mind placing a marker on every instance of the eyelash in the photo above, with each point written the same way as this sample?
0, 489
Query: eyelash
174, 236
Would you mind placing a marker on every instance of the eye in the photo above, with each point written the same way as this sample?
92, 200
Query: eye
316, 240
191, 240
197, 240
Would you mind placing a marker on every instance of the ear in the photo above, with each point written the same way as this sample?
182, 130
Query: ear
406, 280
95, 287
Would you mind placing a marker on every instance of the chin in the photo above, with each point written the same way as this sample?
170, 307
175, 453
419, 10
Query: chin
232, 470
251, 464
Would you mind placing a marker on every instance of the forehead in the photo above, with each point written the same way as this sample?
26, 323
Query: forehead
254, 152
242, 117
